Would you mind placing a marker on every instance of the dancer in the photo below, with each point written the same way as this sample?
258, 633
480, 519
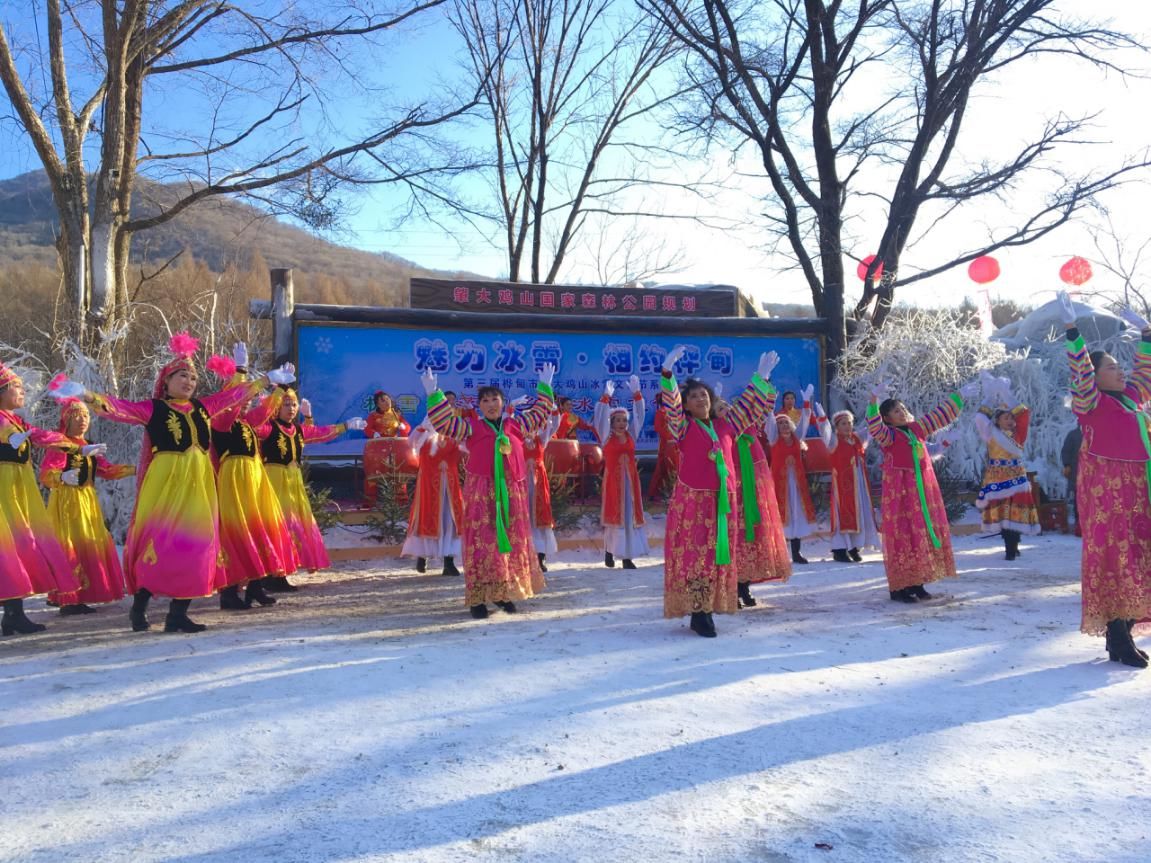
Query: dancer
1114, 468
74, 510
790, 476
852, 514
173, 545
282, 441
500, 563
254, 537
539, 484
667, 459
916, 538
570, 423
385, 420
788, 407
31, 558
699, 576
621, 511
438, 504
1005, 499
761, 549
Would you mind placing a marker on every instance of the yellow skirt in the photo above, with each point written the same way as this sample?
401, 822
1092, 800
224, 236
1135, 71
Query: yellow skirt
288, 482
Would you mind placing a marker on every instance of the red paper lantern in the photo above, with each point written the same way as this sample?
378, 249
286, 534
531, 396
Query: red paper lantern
1076, 271
861, 270
983, 270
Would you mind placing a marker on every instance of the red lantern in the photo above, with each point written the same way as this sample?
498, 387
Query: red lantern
983, 270
1076, 271
861, 270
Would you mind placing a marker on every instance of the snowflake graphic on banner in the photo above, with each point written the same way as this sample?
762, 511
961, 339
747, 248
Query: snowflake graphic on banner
323, 345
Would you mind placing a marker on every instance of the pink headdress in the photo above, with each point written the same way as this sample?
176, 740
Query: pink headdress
184, 347
69, 408
7, 376
222, 367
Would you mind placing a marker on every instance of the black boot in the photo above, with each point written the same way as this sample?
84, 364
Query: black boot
507, 606
746, 600
450, 566
1120, 647
255, 593
15, 622
76, 608
854, 554
178, 620
919, 593
702, 625
279, 584
904, 595
138, 616
421, 564
479, 612
230, 599
796, 557
608, 560
1130, 626
839, 555
1011, 543
627, 563
542, 557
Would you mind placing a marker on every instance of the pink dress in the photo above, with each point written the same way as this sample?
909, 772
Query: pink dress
1112, 487
489, 574
693, 580
911, 556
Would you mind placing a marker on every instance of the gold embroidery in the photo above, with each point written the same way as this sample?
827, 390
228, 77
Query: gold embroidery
282, 443
246, 431
175, 427
150, 554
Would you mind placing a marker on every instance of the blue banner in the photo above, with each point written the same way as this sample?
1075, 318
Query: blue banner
342, 365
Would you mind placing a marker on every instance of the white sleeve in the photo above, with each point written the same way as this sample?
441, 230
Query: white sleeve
638, 415
601, 419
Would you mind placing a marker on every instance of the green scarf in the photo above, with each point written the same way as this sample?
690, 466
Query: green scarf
722, 502
1142, 418
751, 513
503, 504
916, 449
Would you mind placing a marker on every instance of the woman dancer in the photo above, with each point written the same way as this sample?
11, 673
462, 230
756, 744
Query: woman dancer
282, 441
74, 510
254, 537
31, 559
852, 514
699, 576
1005, 499
790, 476
539, 484
500, 562
621, 511
386, 420
916, 538
438, 504
1114, 489
173, 545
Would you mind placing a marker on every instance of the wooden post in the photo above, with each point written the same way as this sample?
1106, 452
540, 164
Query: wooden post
283, 307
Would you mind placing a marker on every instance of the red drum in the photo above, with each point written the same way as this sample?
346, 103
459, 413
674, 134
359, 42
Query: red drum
562, 457
816, 459
592, 457
384, 454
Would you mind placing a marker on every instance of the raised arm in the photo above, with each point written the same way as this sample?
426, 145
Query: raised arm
942, 415
823, 426
757, 399
549, 428
638, 408
535, 418
880, 431
601, 416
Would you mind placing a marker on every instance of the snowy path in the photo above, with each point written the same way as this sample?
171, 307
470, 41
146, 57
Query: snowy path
367, 718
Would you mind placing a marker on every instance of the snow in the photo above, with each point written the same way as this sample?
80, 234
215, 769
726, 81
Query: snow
368, 718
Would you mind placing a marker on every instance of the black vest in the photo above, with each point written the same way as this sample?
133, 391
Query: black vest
22, 455
85, 464
172, 431
238, 440
283, 445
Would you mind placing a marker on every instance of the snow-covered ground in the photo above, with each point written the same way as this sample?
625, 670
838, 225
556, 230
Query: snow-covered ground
368, 718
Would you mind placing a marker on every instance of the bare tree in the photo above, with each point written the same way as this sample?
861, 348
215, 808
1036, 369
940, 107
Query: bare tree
562, 84
1126, 256
785, 78
217, 97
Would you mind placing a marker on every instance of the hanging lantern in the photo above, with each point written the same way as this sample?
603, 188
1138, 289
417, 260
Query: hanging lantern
1076, 271
861, 270
983, 270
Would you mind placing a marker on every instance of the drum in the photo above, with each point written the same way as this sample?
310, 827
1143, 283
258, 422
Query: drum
382, 455
592, 458
816, 459
562, 457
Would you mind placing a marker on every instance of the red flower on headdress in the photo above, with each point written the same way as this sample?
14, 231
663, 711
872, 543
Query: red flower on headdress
55, 383
183, 344
223, 367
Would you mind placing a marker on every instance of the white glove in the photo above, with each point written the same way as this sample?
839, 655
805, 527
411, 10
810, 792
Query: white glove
608, 389
879, 390
767, 363
376, 435
521, 400
718, 389
356, 424
547, 373
969, 390
819, 411
285, 374
240, 355
428, 379
673, 357
70, 477
633, 384
93, 449
1134, 319
808, 392
1068, 308
305, 408
17, 440
68, 390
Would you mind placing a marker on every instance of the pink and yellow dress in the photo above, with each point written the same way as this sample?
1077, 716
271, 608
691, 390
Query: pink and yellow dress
761, 551
282, 447
500, 562
700, 569
31, 558
1114, 508
916, 537
79, 523
173, 545
1005, 499
254, 537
